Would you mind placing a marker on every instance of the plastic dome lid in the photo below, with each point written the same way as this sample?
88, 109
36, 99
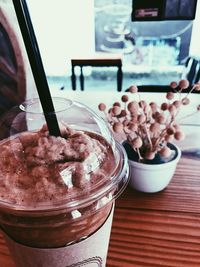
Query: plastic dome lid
83, 167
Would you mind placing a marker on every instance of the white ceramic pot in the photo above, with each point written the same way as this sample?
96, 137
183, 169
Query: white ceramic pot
151, 178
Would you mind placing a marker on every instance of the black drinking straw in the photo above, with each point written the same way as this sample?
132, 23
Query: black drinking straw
35, 60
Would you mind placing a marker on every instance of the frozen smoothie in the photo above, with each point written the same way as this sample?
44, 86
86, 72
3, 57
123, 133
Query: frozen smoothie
42, 174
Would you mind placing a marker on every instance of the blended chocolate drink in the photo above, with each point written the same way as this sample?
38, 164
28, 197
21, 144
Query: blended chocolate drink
58, 191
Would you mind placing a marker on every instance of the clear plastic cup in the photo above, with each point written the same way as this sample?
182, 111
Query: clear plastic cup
82, 210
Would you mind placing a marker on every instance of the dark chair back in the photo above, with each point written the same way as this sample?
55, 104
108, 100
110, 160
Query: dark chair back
191, 73
96, 62
192, 70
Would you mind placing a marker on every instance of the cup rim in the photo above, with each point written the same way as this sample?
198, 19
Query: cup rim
117, 183
160, 165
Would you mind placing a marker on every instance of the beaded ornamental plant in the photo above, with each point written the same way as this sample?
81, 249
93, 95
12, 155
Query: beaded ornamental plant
148, 129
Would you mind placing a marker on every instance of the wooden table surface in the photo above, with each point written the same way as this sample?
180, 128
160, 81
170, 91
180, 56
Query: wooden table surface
160, 229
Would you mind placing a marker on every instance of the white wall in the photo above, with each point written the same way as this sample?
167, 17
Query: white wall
194, 45
64, 28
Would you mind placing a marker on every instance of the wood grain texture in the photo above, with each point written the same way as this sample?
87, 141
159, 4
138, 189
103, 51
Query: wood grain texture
154, 238
182, 194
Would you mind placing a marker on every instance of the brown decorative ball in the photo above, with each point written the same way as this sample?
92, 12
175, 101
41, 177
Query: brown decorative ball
124, 98
184, 84
117, 104
155, 115
170, 95
149, 155
172, 109
179, 135
164, 106
137, 142
185, 101
133, 89
160, 118
170, 130
177, 103
173, 85
102, 107
116, 110
165, 152
118, 127
133, 106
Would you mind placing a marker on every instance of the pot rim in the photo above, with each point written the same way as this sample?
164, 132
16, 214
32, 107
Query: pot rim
157, 166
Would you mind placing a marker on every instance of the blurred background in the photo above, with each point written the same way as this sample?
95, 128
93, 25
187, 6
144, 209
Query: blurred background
152, 52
